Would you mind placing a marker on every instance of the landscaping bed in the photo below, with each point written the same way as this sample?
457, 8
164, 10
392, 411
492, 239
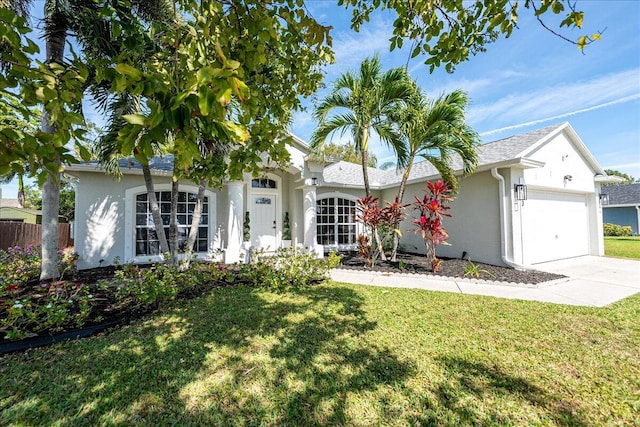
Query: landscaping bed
450, 267
80, 300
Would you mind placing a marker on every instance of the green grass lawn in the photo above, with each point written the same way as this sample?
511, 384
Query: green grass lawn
339, 355
622, 247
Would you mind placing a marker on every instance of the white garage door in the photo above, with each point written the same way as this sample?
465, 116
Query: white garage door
554, 226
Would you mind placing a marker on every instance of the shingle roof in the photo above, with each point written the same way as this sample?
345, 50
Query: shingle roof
10, 203
623, 194
164, 163
345, 173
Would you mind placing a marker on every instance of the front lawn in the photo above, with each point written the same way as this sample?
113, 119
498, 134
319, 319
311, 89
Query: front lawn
622, 247
339, 355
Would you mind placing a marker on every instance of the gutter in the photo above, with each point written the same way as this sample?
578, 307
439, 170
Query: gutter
503, 222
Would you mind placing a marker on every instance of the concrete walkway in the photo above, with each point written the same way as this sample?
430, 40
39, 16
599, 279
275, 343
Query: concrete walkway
592, 282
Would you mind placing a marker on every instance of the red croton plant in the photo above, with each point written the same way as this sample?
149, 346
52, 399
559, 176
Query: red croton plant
433, 207
380, 223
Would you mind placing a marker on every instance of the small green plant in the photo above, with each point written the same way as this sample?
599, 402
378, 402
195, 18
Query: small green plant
286, 228
474, 270
246, 229
402, 265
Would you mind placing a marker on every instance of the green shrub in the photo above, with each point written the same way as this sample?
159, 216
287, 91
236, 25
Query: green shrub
287, 267
616, 230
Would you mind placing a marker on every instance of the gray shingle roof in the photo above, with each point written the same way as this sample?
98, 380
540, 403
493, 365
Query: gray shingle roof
163, 163
345, 173
623, 194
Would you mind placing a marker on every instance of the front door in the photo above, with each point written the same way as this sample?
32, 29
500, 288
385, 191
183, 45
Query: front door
263, 221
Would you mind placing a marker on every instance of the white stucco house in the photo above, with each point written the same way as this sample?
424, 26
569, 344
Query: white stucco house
560, 217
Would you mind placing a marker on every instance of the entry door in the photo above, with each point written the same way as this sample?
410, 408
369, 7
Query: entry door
263, 221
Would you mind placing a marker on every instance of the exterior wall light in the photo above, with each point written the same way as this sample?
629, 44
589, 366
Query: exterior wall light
568, 178
314, 181
521, 192
604, 199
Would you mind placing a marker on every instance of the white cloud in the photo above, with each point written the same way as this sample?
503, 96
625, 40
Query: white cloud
564, 115
557, 100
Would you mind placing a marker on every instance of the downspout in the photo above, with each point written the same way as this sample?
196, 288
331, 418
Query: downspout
638, 225
503, 222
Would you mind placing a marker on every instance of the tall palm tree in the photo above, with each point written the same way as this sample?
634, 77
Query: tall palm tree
435, 130
361, 104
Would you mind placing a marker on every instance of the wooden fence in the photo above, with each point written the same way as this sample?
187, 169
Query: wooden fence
21, 234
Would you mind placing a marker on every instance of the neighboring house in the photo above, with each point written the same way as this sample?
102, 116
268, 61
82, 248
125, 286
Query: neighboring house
11, 211
560, 218
623, 206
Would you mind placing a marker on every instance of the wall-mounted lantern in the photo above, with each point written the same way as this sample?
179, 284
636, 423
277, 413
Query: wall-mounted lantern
568, 178
314, 181
604, 199
521, 192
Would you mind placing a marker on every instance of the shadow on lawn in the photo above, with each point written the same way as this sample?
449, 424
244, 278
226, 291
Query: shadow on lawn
470, 382
238, 357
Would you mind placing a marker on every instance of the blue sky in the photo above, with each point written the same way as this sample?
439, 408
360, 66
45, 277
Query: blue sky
530, 80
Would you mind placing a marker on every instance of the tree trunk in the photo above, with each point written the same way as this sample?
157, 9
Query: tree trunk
21, 198
173, 224
403, 184
54, 45
365, 172
50, 211
155, 210
195, 222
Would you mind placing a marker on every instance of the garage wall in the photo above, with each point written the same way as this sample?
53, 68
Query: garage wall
562, 216
474, 227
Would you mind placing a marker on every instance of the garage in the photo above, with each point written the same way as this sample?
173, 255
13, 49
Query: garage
554, 226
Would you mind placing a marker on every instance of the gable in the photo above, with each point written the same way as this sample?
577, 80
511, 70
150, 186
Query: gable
567, 163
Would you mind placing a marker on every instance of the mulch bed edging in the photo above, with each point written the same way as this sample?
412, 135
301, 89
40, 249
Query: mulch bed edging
45, 340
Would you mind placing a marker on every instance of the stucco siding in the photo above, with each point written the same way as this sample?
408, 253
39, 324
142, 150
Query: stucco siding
561, 159
625, 216
99, 223
100, 231
474, 226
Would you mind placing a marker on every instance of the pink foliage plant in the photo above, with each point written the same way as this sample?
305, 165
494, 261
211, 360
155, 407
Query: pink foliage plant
433, 208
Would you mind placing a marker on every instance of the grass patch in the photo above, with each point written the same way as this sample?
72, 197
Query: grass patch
339, 355
622, 247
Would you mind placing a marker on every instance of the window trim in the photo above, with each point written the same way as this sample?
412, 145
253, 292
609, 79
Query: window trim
358, 224
130, 225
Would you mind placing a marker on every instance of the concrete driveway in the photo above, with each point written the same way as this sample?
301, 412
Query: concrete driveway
595, 281
592, 281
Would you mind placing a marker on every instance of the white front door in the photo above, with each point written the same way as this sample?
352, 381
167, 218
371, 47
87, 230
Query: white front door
263, 221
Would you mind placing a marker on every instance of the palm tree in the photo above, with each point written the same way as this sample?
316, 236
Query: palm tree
364, 103
436, 130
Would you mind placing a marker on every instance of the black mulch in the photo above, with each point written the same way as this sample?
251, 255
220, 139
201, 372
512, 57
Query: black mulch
450, 267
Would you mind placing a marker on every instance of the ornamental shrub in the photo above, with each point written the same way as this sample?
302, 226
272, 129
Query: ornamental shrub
616, 230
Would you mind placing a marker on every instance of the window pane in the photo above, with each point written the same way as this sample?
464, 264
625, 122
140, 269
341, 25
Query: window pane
182, 196
165, 207
203, 232
141, 197
202, 246
182, 219
141, 219
192, 197
165, 196
182, 207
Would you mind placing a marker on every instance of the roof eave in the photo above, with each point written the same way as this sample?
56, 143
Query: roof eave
608, 179
74, 169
